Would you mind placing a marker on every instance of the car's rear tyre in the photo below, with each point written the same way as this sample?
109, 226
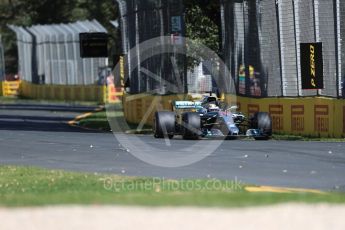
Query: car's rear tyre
164, 124
191, 126
263, 122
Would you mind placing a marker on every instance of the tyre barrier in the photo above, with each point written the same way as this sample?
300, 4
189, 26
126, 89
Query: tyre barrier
10, 88
95, 93
141, 108
308, 116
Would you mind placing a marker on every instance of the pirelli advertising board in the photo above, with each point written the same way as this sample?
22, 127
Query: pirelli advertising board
311, 65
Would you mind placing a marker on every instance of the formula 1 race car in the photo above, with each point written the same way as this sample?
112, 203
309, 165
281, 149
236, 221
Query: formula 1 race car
210, 118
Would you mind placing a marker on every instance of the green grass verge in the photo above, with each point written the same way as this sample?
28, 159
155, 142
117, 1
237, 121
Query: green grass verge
100, 121
287, 137
29, 186
97, 120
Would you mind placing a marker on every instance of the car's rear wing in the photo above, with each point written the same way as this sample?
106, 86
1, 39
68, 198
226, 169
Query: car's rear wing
186, 104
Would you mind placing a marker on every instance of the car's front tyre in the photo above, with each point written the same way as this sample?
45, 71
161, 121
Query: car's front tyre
262, 121
191, 126
164, 124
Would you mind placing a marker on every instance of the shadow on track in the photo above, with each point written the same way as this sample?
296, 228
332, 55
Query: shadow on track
41, 117
44, 107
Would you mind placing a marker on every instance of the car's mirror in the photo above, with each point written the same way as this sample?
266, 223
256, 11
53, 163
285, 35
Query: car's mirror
233, 108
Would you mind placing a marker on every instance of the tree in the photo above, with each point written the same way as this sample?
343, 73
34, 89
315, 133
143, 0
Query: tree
202, 27
203, 22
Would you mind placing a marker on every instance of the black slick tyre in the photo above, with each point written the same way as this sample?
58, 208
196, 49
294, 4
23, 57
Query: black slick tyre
263, 122
191, 127
164, 124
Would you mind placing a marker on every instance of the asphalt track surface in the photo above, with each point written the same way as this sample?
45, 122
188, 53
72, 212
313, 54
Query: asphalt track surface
38, 135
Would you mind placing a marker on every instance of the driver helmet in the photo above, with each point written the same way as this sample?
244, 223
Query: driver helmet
213, 108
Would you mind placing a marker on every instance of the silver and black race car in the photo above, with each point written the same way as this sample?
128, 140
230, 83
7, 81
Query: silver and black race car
210, 118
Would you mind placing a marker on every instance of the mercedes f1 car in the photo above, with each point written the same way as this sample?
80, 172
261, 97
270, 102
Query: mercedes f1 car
210, 118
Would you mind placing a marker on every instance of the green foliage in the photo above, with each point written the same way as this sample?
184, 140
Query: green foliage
203, 23
202, 27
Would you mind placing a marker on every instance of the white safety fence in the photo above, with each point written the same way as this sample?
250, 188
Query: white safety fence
50, 54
